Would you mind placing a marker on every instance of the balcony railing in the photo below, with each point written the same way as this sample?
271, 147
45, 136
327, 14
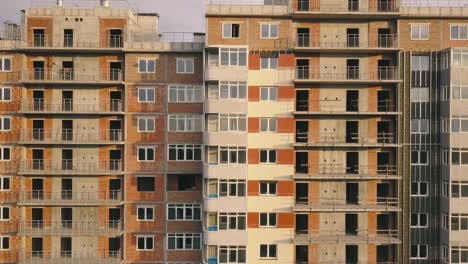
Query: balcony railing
71, 106
166, 41
384, 236
331, 139
70, 197
70, 136
352, 41
382, 6
333, 107
68, 227
335, 203
351, 73
72, 41
71, 75
343, 171
56, 257
40, 166
248, 7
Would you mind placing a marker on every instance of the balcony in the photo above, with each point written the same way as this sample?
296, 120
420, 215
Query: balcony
47, 257
337, 107
323, 9
384, 236
70, 167
167, 41
73, 43
340, 171
351, 75
382, 139
321, 204
248, 7
70, 198
352, 43
40, 106
69, 228
72, 76
69, 136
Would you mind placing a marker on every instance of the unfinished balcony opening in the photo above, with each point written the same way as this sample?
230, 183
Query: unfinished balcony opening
302, 100
115, 101
67, 189
352, 101
352, 37
302, 162
114, 189
386, 6
385, 163
384, 102
114, 217
352, 254
386, 254
39, 70
303, 69
37, 189
385, 70
38, 100
302, 193
66, 247
384, 38
38, 159
352, 131
66, 217
387, 193
67, 101
114, 246
302, 224
303, 5
352, 193
67, 72
68, 38
352, 162
115, 130
67, 130
37, 217
184, 182
115, 38
67, 159
38, 130
39, 38
352, 69
384, 132
115, 71
353, 5
386, 224
302, 254
115, 157
351, 224
37, 247
302, 131
303, 37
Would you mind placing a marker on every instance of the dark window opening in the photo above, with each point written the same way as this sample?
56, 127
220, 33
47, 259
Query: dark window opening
302, 100
145, 184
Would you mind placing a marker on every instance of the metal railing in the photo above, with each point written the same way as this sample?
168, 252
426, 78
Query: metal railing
166, 41
352, 41
72, 106
248, 7
340, 170
70, 227
71, 136
326, 106
56, 257
354, 138
70, 197
317, 202
40, 166
351, 73
445, 8
389, 236
69, 41
382, 6
71, 75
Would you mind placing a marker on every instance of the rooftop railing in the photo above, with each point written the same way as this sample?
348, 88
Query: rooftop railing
248, 7
381, 6
182, 41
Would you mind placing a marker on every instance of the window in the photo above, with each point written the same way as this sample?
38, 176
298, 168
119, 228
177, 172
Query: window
183, 241
145, 124
145, 213
459, 32
5, 123
232, 122
418, 220
233, 57
232, 188
185, 94
419, 157
268, 188
268, 251
145, 184
459, 222
5, 153
419, 188
4, 243
419, 31
445, 220
146, 66
232, 155
459, 157
420, 65
420, 126
5, 64
185, 152
231, 30
418, 251
185, 66
145, 153
4, 183
419, 95
184, 212
444, 255
5, 94
459, 124
146, 95
268, 94
268, 124
460, 58
459, 92
4, 213
267, 219
185, 123
232, 221
228, 91
269, 63
269, 31
145, 243
459, 189
459, 254
268, 156
232, 254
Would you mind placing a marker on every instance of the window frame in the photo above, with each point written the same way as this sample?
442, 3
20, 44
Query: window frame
146, 148
184, 236
269, 94
419, 218
229, 216
185, 90
269, 25
268, 156
240, 184
2, 93
223, 33
268, 251
185, 60
2, 183
2, 246
189, 120
268, 188
145, 237
2, 63
146, 60
459, 26
3, 122
2, 217
419, 157
240, 53
420, 31
229, 250
184, 207
269, 63
269, 121
184, 148
268, 220
147, 119
145, 208
2, 153
146, 89
419, 251
419, 184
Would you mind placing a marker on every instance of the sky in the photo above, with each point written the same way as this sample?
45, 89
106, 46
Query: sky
174, 15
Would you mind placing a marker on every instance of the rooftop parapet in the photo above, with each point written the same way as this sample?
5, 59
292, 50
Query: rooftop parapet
248, 7
167, 41
434, 8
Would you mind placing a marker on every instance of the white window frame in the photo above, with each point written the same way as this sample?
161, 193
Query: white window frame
234, 123
271, 97
419, 252
2, 217
420, 31
268, 251
269, 191
185, 147
268, 125
462, 220
147, 216
185, 237
2, 183
232, 150
224, 33
271, 63
268, 220
146, 60
459, 26
462, 250
145, 90
2, 64
230, 189
419, 157
420, 126
186, 62
229, 250
240, 52
147, 120
2, 246
2, 94
2, 153
184, 208
146, 148
3, 120
226, 90
268, 155
145, 237
185, 94
232, 218
269, 27
420, 217
418, 185
185, 123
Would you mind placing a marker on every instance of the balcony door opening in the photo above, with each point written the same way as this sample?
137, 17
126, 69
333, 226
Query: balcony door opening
39, 70
66, 217
114, 246
302, 224
385, 253
37, 247
115, 69
115, 130
115, 157
352, 162
38, 100
302, 162
302, 69
67, 189
303, 37
38, 159
303, 5
383, 159
351, 223
383, 101
353, 5
115, 38
67, 130
115, 101
302, 193
114, 189
302, 131
39, 37
383, 192
383, 222
38, 189
352, 131
68, 38
66, 247
302, 254
352, 193
383, 132
302, 100
67, 101
67, 159
352, 37
37, 217
352, 101
38, 130
67, 71
384, 38
352, 254
114, 217
352, 69
385, 71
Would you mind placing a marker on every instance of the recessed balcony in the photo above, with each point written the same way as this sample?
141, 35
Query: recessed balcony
350, 42
69, 136
321, 204
70, 167
359, 236
350, 75
111, 76
342, 171
48, 257
41, 106
383, 139
67, 228
62, 198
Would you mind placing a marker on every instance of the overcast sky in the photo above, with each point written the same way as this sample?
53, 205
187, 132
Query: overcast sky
175, 15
